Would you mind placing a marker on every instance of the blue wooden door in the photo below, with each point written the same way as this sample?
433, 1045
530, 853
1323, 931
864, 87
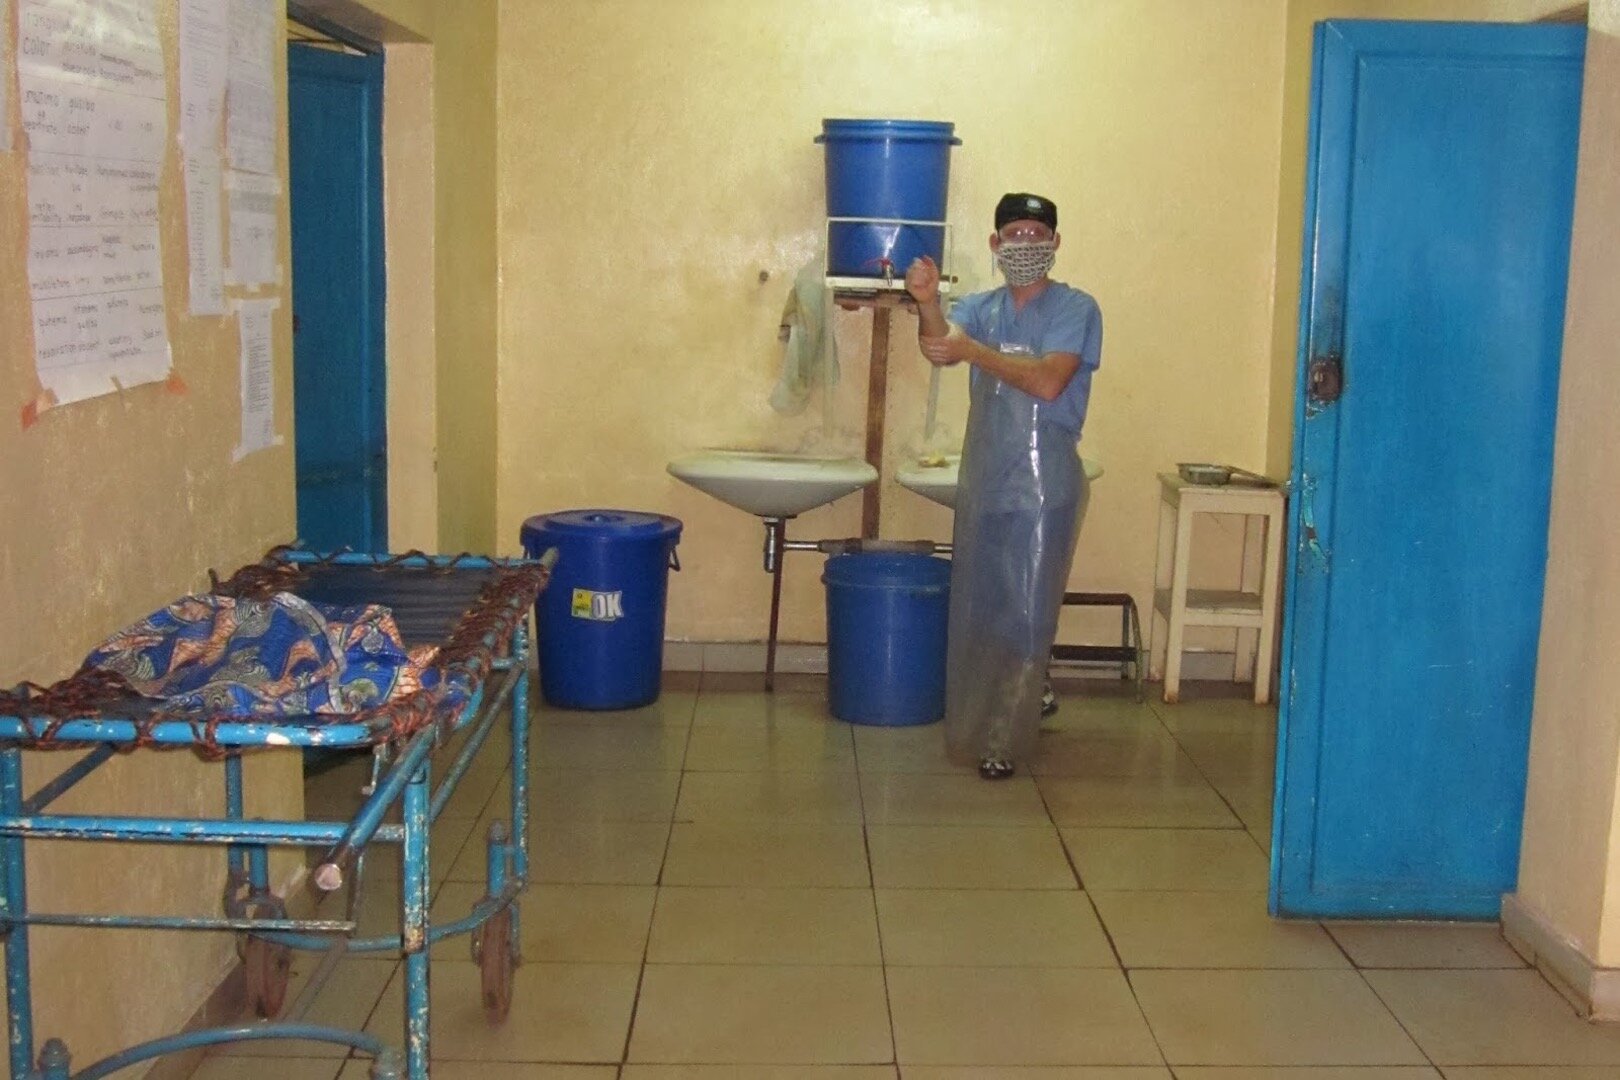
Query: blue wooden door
1439, 202
335, 151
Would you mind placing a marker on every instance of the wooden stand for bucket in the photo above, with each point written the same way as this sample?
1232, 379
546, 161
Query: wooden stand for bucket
877, 392
882, 295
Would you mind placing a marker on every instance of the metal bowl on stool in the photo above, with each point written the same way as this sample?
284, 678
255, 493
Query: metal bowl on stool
1204, 474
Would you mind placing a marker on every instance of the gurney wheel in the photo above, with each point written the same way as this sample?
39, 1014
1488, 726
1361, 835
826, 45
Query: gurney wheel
268, 966
495, 964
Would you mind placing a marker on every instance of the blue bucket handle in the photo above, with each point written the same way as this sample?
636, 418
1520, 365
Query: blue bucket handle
674, 559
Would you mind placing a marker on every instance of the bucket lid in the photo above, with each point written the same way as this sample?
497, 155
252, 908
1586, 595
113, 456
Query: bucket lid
890, 130
601, 524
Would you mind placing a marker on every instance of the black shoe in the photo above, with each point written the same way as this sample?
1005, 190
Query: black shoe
991, 768
1049, 702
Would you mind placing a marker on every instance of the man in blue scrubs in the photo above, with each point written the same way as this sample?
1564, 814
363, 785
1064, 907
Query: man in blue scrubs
1032, 346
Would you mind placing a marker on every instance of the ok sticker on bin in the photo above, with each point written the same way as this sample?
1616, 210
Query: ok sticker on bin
598, 606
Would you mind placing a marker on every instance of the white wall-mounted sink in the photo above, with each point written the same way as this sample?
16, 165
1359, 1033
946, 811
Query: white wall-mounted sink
938, 482
770, 484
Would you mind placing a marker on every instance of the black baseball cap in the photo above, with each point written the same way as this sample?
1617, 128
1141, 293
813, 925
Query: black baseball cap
1022, 206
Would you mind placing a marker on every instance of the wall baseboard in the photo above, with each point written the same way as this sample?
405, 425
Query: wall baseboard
1593, 990
811, 659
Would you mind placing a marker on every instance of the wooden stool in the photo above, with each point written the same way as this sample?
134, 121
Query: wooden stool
1250, 608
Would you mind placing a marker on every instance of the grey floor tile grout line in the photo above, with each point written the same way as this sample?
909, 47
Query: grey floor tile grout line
1340, 946
1157, 715
1147, 1021
646, 942
1068, 856
871, 884
1435, 1065
1126, 972
1108, 935
1074, 869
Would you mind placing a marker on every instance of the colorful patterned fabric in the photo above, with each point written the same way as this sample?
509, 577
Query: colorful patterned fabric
278, 657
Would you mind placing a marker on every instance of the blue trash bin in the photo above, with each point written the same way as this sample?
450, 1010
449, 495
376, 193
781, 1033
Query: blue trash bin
895, 170
601, 620
886, 623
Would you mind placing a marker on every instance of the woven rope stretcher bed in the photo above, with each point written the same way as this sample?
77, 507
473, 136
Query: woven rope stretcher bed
476, 611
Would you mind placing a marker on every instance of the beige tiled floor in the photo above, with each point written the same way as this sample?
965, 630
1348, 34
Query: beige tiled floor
731, 886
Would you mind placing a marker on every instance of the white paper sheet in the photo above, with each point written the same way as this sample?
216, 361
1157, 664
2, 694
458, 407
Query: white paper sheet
7, 68
109, 44
205, 234
91, 84
254, 201
86, 343
63, 117
86, 191
258, 377
250, 106
204, 61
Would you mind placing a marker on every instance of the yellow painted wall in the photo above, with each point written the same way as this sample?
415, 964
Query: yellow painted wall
1570, 867
411, 334
1303, 15
464, 178
111, 508
655, 158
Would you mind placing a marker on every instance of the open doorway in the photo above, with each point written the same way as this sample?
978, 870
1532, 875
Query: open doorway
335, 102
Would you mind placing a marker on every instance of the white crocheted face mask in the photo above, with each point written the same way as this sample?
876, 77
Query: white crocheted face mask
1026, 262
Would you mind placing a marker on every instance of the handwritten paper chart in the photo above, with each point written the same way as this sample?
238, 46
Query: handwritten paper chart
252, 189
257, 377
92, 94
204, 55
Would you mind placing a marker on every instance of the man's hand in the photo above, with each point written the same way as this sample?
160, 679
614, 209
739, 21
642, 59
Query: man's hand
922, 280
953, 348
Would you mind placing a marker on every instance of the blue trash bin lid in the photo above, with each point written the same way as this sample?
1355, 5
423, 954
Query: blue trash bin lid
600, 525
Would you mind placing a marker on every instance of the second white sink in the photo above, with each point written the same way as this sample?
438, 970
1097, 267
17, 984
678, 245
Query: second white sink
938, 482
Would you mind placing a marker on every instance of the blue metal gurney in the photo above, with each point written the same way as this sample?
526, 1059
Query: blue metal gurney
476, 610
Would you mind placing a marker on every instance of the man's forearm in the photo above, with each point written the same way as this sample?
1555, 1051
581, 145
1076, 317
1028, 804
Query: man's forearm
931, 320
1044, 378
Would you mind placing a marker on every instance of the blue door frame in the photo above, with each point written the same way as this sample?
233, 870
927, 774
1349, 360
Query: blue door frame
1440, 195
339, 368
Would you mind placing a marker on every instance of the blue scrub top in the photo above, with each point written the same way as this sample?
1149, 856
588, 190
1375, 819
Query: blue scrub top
1060, 319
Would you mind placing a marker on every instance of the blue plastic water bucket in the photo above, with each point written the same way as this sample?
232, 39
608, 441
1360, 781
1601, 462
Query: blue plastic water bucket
886, 620
891, 169
601, 620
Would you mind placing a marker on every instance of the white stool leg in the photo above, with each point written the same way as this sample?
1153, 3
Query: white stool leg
1179, 573
1246, 648
1270, 588
1162, 562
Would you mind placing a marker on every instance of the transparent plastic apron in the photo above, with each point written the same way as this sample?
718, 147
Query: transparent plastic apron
1021, 496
